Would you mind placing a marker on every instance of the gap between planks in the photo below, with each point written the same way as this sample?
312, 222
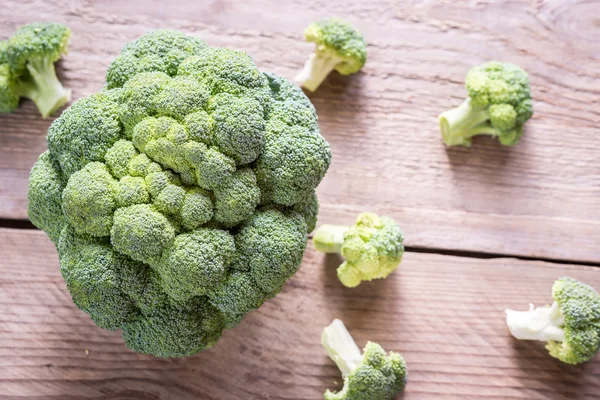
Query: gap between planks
25, 224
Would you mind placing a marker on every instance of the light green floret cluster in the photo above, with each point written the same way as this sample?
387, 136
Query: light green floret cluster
570, 326
499, 103
339, 46
27, 67
372, 247
180, 199
373, 375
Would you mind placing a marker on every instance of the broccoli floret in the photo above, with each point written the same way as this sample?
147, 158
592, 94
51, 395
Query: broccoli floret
370, 376
570, 326
192, 181
27, 67
340, 46
372, 247
499, 103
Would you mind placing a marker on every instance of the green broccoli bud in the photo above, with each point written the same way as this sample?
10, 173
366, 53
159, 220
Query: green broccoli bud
570, 326
176, 330
372, 248
370, 376
339, 46
28, 58
499, 103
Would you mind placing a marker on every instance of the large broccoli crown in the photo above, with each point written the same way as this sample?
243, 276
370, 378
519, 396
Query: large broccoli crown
580, 307
372, 247
339, 46
188, 188
499, 103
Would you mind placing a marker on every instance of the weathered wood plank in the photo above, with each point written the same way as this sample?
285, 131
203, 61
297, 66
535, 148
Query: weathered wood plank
540, 199
444, 314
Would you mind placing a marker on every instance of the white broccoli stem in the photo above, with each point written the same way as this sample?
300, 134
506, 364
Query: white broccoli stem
541, 323
43, 87
462, 123
340, 347
315, 70
329, 238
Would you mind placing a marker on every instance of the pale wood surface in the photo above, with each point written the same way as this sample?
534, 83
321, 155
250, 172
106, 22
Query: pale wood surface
539, 199
444, 314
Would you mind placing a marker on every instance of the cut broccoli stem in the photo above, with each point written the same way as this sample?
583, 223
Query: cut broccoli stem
315, 70
329, 238
541, 323
340, 347
41, 85
460, 124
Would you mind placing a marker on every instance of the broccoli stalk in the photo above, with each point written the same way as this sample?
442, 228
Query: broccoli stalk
460, 124
570, 326
339, 46
541, 323
372, 375
41, 85
340, 347
372, 247
316, 69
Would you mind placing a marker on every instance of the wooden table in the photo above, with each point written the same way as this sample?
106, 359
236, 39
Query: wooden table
487, 228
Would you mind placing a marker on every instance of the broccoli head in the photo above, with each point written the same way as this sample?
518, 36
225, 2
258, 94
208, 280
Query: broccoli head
499, 103
180, 199
340, 46
374, 375
372, 247
570, 326
27, 67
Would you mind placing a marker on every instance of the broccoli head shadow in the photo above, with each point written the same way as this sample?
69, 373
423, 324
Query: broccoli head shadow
555, 376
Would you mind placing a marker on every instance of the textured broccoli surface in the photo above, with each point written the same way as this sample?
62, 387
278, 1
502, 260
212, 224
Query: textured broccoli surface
499, 103
180, 198
570, 326
27, 67
339, 46
374, 375
372, 247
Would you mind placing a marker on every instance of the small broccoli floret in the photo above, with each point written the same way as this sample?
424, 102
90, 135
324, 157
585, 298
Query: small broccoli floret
27, 67
372, 248
570, 326
370, 376
340, 46
499, 103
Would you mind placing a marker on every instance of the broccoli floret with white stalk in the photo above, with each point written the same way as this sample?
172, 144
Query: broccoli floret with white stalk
372, 247
372, 375
340, 46
570, 326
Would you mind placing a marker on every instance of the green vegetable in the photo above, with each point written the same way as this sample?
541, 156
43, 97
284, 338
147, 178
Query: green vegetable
181, 198
339, 46
27, 67
372, 248
570, 326
499, 103
370, 376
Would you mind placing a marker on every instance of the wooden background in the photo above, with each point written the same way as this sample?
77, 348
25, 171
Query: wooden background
487, 228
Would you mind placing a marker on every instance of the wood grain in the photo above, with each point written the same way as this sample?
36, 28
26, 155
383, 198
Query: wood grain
539, 199
444, 314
